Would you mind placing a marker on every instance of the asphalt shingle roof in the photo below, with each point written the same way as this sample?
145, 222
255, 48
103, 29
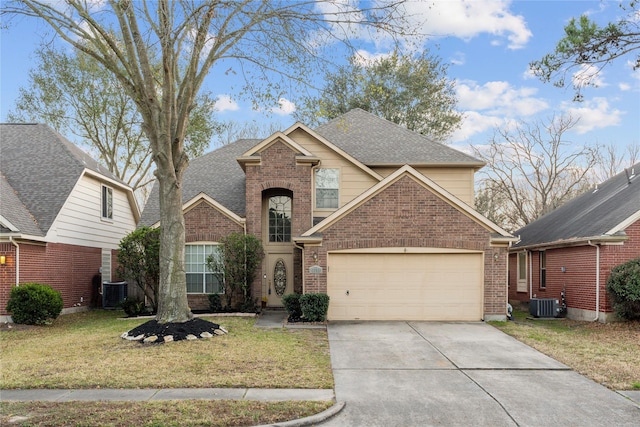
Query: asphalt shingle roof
41, 168
366, 137
591, 214
376, 141
217, 174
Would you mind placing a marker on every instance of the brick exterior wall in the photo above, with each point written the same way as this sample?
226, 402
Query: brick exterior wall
279, 170
66, 268
579, 278
7, 274
405, 214
205, 223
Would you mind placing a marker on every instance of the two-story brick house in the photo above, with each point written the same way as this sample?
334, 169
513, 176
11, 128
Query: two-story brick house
379, 217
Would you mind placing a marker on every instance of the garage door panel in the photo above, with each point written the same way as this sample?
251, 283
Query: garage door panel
405, 286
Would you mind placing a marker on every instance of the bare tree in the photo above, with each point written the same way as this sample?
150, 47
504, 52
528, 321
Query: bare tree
233, 130
190, 37
532, 169
614, 159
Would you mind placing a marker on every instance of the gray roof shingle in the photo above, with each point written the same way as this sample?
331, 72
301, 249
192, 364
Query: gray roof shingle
376, 141
591, 214
41, 167
217, 174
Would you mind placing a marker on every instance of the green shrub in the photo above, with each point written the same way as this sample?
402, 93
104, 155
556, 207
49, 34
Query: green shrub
215, 303
291, 303
623, 286
314, 307
34, 304
132, 307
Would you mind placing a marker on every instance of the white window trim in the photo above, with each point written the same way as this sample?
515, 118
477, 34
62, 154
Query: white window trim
521, 281
543, 270
315, 189
203, 292
109, 190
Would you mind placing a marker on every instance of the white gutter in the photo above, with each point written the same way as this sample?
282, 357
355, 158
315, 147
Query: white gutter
597, 279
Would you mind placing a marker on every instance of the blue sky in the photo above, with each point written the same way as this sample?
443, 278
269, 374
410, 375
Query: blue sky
488, 45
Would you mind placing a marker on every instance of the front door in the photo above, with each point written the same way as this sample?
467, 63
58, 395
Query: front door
279, 276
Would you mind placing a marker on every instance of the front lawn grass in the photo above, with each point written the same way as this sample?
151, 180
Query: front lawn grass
607, 353
170, 413
84, 350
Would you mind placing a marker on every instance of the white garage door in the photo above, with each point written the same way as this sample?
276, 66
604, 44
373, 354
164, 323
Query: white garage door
405, 286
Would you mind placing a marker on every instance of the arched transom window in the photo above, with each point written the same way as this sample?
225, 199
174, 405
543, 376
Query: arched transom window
280, 219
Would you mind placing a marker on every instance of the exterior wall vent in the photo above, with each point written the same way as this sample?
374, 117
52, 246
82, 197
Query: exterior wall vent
545, 307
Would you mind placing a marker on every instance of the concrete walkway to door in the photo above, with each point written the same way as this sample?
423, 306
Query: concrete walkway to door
460, 374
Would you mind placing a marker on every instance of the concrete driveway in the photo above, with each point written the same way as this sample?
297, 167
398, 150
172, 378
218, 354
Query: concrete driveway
460, 374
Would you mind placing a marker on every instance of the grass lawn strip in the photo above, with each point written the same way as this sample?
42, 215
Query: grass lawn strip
170, 413
607, 353
84, 350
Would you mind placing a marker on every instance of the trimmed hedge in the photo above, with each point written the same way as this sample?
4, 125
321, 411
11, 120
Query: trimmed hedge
34, 304
291, 303
623, 286
314, 307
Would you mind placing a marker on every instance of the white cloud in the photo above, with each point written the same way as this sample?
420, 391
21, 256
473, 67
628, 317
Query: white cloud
458, 58
593, 114
365, 59
285, 107
468, 19
624, 86
589, 75
528, 74
225, 103
440, 18
499, 98
474, 123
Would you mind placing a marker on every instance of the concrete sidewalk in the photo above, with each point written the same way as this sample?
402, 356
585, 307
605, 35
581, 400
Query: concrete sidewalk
259, 394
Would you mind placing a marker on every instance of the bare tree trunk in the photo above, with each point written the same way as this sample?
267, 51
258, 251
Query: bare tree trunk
172, 294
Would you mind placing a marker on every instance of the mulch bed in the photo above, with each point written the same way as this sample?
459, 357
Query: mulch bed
179, 331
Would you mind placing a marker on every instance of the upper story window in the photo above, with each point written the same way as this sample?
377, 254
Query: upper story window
279, 219
327, 184
107, 202
201, 280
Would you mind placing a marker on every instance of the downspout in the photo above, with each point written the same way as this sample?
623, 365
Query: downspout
295, 245
597, 279
530, 258
17, 259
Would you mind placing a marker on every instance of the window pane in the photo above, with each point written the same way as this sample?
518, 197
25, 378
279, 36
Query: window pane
107, 202
280, 219
327, 185
522, 265
194, 283
199, 278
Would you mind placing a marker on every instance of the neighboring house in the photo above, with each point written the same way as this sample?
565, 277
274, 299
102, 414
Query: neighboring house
574, 248
62, 215
377, 216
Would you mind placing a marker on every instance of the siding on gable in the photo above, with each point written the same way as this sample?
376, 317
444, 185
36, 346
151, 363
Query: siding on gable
353, 180
80, 223
457, 181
